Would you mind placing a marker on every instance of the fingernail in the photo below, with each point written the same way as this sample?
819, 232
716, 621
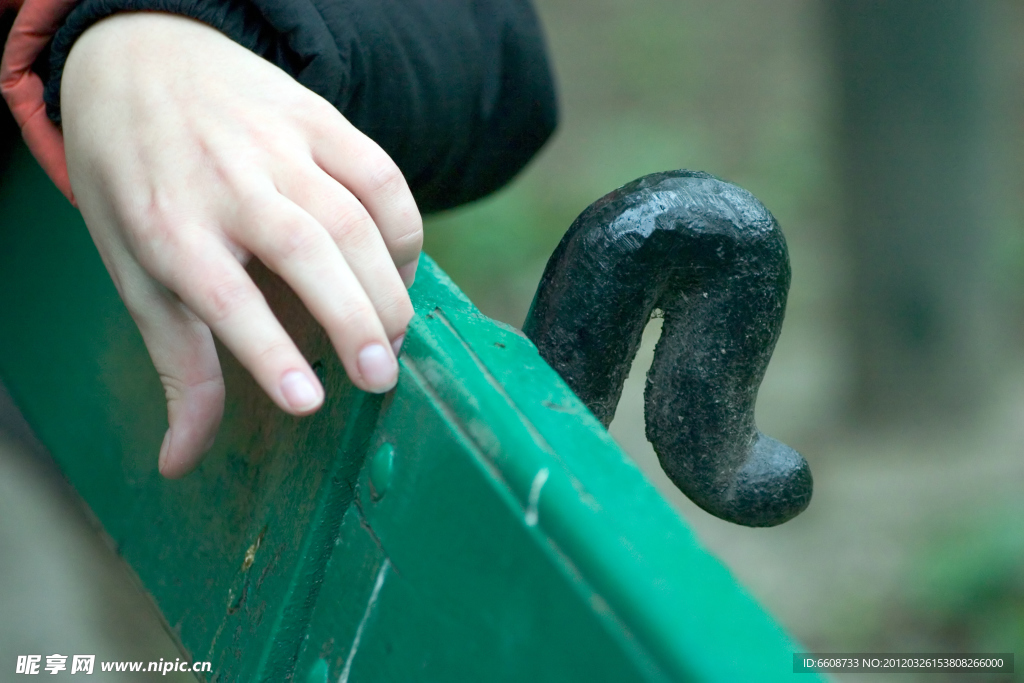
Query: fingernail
408, 273
378, 368
298, 391
396, 344
164, 447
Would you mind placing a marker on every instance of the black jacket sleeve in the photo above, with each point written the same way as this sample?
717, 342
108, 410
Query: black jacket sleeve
458, 92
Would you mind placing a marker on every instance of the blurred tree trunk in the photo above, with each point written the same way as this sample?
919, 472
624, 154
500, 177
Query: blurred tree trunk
912, 150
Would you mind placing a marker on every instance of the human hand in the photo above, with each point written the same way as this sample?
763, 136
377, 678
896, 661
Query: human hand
188, 155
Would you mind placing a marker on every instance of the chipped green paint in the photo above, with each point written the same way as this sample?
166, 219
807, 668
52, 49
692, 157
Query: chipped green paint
515, 541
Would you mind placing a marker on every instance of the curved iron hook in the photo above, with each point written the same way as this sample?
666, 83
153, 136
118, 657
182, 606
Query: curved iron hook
712, 259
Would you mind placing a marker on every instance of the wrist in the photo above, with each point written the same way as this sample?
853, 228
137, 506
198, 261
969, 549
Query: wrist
130, 37
122, 52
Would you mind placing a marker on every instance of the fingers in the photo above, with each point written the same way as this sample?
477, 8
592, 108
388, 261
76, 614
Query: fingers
295, 246
212, 283
360, 242
358, 163
184, 355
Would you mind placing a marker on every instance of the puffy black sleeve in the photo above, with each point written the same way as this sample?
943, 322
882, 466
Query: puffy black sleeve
458, 92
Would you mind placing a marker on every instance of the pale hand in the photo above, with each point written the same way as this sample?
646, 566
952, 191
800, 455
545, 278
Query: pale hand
188, 155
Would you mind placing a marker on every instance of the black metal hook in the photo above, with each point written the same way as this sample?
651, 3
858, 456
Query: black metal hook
712, 259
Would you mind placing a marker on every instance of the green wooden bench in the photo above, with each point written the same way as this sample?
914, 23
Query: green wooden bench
476, 524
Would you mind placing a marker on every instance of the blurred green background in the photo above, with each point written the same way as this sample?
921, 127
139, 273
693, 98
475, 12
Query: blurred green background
888, 140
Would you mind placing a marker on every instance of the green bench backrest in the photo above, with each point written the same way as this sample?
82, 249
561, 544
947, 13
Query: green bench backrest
476, 524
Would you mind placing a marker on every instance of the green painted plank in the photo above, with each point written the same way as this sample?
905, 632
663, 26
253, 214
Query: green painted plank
514, 539
470, 592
